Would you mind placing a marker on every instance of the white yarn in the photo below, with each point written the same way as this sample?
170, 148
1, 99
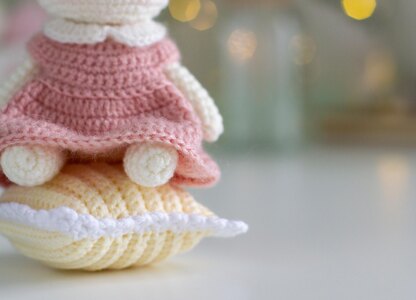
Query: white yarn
202, 102
80, 226
16, 81
105, 11
134, 35
31, 165
150, 165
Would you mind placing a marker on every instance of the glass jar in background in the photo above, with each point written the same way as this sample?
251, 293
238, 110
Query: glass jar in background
261, 84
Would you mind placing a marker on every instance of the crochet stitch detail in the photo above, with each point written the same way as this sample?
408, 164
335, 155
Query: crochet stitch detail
202, 102
150, 165
134, 35
31, 165
81, 226
92, 217
102, 98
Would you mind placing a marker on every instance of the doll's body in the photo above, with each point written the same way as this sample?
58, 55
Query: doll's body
104, 83
108, 84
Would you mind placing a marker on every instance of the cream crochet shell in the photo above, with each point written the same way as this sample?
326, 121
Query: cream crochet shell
105, 11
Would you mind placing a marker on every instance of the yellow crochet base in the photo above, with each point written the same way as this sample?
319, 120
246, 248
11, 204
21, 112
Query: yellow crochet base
61, 252
101, 191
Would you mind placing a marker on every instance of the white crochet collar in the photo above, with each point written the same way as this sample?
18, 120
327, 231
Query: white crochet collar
133, 35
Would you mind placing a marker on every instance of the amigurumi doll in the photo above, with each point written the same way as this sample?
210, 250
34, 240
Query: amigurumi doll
97, 130
105, 83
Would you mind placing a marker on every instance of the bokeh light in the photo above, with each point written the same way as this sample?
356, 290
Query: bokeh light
207, 17
184, 10
359, 9
242, 44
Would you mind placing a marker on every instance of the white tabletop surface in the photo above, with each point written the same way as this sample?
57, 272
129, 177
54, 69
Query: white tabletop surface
325, 224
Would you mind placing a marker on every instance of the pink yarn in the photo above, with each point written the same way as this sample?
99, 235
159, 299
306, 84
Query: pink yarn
99, 99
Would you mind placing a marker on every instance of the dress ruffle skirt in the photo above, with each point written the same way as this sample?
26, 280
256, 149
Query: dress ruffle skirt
95, 100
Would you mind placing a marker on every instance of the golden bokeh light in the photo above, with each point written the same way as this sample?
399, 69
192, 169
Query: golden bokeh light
207, 17
359, 9
242, 44
184, 10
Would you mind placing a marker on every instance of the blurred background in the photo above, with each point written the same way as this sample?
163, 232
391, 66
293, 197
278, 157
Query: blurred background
319, 102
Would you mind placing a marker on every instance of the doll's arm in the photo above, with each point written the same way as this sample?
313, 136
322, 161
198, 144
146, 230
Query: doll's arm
16, 81
202, 102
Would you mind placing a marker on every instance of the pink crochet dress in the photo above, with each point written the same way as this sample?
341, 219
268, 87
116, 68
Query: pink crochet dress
96, 100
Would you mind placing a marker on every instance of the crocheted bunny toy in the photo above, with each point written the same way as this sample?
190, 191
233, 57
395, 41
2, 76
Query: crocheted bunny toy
104, 82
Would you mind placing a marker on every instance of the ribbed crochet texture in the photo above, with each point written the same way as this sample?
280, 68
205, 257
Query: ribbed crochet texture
103, 83
102, 191
31, 166
99, 99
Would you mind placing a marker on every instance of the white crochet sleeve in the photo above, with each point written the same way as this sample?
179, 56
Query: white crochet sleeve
202, 102
16, 81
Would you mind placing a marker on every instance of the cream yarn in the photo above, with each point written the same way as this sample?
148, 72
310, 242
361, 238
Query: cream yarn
92, 217
134, 35
31, 165
202, 102
105, 11
150, 165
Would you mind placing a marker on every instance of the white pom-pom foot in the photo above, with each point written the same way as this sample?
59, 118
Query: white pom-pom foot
31, 165
150, 165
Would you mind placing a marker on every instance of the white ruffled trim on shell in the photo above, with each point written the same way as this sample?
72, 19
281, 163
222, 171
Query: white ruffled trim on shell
81, 226
133, 35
